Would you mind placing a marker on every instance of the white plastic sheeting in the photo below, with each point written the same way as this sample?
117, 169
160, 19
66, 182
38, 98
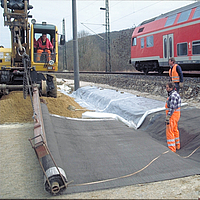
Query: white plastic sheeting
122, 106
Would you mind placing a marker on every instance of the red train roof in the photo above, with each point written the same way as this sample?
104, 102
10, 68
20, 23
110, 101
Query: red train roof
158, 23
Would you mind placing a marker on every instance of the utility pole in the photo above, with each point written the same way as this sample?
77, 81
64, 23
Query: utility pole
108, 64
75, 46
64, 48
108, 60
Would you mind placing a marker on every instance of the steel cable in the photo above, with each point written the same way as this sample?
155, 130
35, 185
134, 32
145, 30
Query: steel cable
26, 60
125, 176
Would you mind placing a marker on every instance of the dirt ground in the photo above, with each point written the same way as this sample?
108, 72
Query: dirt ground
21, 175
14, 108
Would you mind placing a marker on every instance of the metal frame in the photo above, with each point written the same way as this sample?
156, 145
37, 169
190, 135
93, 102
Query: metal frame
40, 145
42, 150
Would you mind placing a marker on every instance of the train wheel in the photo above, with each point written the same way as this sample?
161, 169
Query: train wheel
160, 71
146, 71
137, 66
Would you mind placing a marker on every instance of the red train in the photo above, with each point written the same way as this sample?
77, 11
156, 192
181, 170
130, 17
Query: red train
173, 34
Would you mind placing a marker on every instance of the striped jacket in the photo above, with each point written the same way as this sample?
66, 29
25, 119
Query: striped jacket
173, 102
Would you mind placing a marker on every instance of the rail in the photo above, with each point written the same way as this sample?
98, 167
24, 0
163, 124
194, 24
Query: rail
165, 74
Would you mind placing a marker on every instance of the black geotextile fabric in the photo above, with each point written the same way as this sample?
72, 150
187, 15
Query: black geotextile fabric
51, 141
189, 128
106, 154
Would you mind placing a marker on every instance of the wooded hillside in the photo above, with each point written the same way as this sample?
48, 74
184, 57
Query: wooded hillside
92, 52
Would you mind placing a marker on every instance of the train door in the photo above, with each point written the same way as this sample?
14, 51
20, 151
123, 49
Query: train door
168, 47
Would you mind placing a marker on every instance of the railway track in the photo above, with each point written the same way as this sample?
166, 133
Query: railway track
100, 77
185, 73
152, 83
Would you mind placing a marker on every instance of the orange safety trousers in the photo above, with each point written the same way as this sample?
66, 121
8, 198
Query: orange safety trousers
39, 53
172, 132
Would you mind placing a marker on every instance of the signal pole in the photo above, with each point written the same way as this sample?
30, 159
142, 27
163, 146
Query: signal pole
108, 60
64, 48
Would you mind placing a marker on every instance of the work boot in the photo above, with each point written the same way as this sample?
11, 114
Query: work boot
178, 146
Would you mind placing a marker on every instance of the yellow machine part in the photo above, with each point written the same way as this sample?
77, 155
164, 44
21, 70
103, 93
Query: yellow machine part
5, 57
40, 66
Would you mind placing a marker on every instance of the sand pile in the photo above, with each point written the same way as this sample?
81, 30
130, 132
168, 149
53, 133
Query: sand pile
14, 108
59, 106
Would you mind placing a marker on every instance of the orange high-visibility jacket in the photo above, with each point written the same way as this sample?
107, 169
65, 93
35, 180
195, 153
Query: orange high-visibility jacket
47, 46
174, 74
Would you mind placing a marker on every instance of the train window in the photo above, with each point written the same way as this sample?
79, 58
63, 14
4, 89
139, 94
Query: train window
170, 20
142, 42
196, 47
197, 13
182, 49
150, 42
140, 30
134, 43
184, 16
38, 35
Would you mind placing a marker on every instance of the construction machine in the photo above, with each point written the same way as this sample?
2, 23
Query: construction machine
21, 68
22, 65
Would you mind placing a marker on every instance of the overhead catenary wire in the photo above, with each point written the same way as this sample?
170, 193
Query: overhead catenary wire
135, 12
93, 32
100, 12
113, 21
97, 29
122, 1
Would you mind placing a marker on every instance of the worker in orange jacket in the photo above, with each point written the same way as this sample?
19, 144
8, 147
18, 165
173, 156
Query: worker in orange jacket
44, 45
175, 74
172, 106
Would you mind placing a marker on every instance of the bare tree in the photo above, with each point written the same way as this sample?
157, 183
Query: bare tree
91, 58
121, 51
92, 51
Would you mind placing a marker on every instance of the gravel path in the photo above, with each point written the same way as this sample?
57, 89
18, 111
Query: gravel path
21, 175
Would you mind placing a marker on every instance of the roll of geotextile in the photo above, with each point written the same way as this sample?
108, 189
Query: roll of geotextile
52, 163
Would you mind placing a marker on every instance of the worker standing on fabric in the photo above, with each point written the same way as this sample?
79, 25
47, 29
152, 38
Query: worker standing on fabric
172, 106
175, 74
44, 45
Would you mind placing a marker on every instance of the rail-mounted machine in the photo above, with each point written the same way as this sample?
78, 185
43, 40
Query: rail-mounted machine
21, 66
